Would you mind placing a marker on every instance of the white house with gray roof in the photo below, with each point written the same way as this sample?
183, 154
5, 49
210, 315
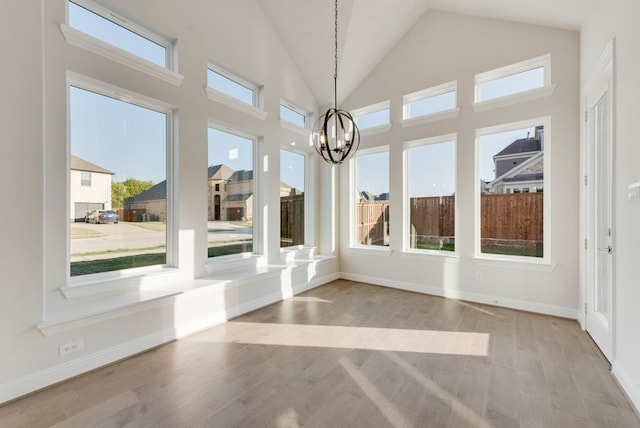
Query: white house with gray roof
90, 188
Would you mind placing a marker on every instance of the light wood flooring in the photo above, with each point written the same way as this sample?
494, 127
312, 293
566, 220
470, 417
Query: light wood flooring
351, 355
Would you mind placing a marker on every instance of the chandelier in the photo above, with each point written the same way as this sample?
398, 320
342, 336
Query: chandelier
335, 135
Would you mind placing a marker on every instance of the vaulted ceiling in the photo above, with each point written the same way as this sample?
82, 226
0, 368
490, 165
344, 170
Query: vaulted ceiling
368, 30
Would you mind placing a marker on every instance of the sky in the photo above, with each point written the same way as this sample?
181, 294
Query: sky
131, 141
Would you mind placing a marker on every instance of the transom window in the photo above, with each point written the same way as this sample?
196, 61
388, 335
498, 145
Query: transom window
231, 85
112, 28
372, 116
293, 114
513, 79
431, 198
429, 101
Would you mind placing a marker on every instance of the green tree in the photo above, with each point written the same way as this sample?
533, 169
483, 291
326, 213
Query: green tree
123, 190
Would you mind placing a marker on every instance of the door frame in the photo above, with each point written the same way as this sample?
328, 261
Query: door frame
603, 74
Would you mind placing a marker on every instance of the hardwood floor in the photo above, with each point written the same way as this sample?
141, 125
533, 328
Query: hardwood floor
351, 355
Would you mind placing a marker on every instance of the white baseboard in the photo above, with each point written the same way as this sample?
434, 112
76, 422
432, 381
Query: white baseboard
630, 388
60, 372
558, 311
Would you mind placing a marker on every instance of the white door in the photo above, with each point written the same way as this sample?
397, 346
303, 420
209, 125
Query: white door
600, 253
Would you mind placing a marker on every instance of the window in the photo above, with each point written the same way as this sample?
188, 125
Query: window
124, 145
372, 116
106, 25
85, 179
430, 101
372, 198
293, 114
292, 193
513, 79
431, 177
230, 212
512, 174
233, 86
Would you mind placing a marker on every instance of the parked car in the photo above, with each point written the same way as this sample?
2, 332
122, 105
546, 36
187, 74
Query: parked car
102, 216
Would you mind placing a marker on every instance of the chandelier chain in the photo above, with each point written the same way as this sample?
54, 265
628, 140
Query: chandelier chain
335, 57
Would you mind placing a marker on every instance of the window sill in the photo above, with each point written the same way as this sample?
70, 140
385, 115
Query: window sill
370, 251
79, 39
232, 261
521, 97
433, 117
294, 128
375, 130
440, 256
233, 103
518, 263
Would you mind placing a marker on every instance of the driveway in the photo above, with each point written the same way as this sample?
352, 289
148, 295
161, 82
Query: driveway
107, 238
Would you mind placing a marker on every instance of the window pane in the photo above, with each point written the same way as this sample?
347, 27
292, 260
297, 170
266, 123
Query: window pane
292, 190
433, 104
124, 211
112, 33
230, 194
372, 199
370, 120
512, 84
292, 116
229, 87
431, 186
511, 188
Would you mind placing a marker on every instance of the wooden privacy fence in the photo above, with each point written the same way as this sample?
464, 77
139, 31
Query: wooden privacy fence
291, 220
504, 217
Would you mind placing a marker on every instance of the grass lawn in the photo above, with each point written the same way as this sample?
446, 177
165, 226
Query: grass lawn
223, 250
117, 263
445, 247
512, 251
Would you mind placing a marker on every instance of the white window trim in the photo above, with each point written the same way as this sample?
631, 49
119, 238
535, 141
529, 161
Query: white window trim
373, 108
429, 118
355, 247
546, 90
543, 263
406, 212
308, 198
303, 130
92, 284
214, 264
77, 38
256, 110
425, 94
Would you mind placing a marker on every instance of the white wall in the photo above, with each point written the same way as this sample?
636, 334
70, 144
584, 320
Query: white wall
98, 192
618, 19
34, 148
439, 48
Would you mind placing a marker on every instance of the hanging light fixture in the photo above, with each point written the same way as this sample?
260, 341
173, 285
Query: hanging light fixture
335, 134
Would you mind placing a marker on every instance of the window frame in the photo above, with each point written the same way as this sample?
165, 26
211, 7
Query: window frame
369, 109
256, 109
215, 263
354, 245
544, 262
73, 36
406, 199
105, 281
307, 199
303, 130
85, 182
427, 93
546, 90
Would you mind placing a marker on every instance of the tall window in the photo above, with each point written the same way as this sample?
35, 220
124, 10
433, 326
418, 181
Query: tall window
124, 211
511, 165
116, 30
431, 175
372, 198
231, 194
292, 191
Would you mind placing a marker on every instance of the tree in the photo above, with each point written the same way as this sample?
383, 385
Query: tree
123, 190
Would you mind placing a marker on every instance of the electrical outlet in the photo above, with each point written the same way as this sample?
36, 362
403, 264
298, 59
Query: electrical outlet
478, 275
72, 347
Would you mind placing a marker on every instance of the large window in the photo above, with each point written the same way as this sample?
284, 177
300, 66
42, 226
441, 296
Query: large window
511, 167
292, 191
372, 198
231, 193
120, 220
431, 175
109, 27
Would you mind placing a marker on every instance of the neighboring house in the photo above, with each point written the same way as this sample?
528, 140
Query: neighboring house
152, 201
519, 166
90, 188
217, 178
